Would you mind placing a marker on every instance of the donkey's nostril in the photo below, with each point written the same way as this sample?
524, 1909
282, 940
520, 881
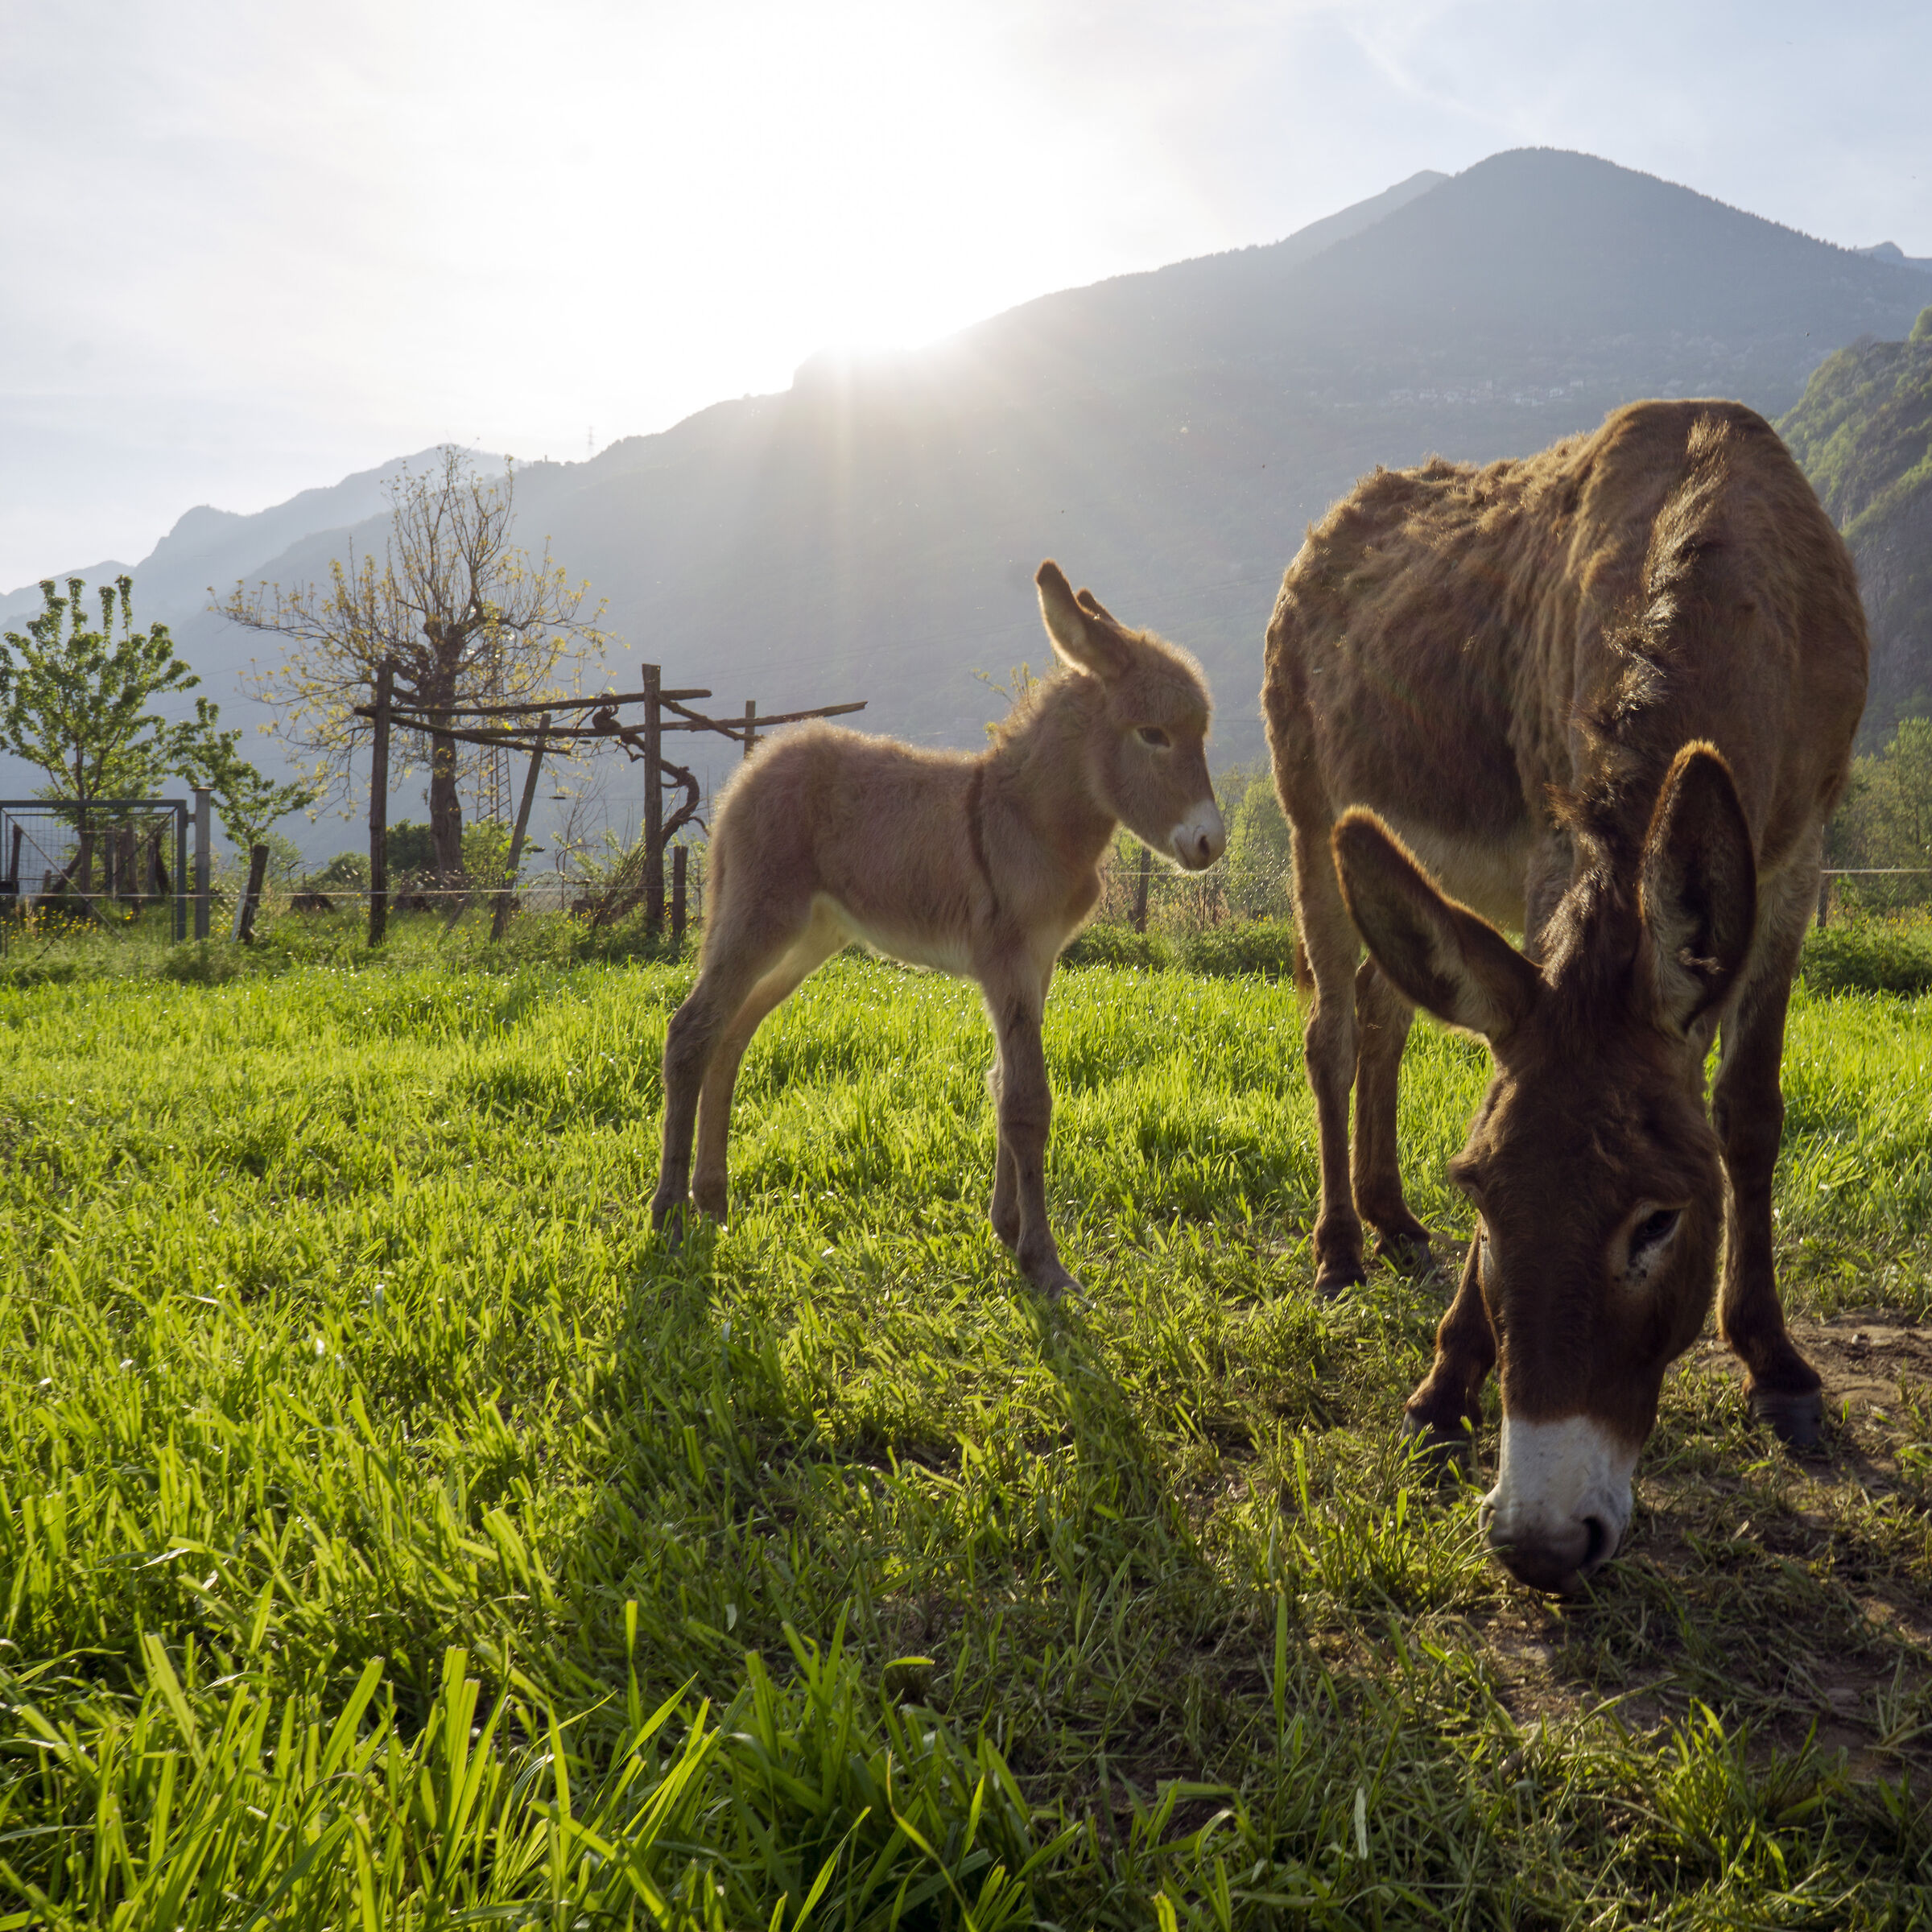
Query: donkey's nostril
1600, 1548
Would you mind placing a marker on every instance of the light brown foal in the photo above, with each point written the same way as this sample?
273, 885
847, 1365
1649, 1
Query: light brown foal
982, 866
1607, 695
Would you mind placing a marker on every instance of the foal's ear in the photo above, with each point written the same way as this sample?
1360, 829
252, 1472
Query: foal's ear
1439, 954
1086, 638
1699, 887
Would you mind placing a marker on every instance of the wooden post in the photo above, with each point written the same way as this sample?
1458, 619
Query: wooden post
751, 725
654, 804
378, 807
245, 909
507, 897
1824, 897
679, 855
83, 873
203, 860
1140, 896
13, 859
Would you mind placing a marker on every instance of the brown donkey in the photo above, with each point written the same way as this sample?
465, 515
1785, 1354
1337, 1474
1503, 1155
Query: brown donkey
1607, 694
980, 866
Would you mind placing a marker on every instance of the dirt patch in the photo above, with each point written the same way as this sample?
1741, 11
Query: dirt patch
1869, 1358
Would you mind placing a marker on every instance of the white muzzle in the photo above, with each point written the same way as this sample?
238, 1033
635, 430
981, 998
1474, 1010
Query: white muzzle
1561, 1500
1200, 838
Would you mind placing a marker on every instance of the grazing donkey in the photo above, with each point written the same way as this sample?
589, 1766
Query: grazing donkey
1607, 694
980, 866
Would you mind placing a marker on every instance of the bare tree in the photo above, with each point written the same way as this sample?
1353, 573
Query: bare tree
464, 616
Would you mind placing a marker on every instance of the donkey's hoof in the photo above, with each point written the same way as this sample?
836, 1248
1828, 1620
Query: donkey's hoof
1051, 1282
1796, 1420
1333, 1278
1407, 1251
1447, 1452
712, 1201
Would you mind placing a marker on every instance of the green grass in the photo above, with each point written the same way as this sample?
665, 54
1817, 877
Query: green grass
395, 1536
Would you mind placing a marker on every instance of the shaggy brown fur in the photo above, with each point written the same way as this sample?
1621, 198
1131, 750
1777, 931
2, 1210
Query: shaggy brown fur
1607, 695
981, 866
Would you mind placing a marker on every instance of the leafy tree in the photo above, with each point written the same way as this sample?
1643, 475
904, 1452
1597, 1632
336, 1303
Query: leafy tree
1885, 819
1258, 857
246, 801
75, 700
462, 616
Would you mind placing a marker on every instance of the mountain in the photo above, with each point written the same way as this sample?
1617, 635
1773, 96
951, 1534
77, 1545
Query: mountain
1890, 251
873, 532
1862, 432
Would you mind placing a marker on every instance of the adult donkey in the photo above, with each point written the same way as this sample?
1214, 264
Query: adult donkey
981, 866
1606, 695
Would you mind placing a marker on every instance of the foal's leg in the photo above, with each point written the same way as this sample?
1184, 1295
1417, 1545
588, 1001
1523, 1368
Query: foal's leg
1382, 1018
1329, 937
1748, 1109
809, 951
1004, 1212
738, 952
1025, 1100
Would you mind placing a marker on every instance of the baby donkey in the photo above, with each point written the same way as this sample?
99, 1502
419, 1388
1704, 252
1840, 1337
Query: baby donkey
980, 866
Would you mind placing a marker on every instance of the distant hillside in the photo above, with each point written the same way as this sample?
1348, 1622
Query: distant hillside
1863, 433
873, 532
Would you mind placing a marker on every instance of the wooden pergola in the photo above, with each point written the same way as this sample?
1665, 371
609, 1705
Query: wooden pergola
643, 738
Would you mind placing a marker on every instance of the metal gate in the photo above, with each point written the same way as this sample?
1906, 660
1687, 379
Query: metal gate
97, 864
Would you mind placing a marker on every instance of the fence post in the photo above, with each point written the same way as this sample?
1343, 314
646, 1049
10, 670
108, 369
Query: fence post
679, 854
378, 808
506, 898
180, 894
245, 909
751, 724
203, 857
1824, 897
1140, 894
654, 805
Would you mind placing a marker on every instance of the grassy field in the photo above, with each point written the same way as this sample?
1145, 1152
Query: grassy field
395, 1536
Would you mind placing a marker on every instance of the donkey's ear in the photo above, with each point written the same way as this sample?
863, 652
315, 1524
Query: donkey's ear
1094, 608
1439, 954
1088, 641
1699, 886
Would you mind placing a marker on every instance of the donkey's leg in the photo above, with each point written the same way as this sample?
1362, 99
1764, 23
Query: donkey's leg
739, 950
1382, 1018
809, 951
1447, 1405
1748, 1109
1026, 1113
1329, 937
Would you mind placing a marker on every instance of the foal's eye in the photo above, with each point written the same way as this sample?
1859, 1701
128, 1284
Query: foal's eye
1655, 1228
1152, 734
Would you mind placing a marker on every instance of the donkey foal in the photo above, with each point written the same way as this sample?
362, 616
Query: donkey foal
984, 867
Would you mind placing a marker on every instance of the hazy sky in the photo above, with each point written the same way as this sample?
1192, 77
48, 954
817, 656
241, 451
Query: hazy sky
250, 248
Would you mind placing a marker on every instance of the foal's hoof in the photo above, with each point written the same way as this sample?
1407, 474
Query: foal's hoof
1796, 1420
1447, 1452
1054, 1284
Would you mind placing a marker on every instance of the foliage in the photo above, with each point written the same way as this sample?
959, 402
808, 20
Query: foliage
1258, 861
74, 701
396, 1535
1870, 955
346, 872
486, 851
1884, 820
463, 615
409, 847
245, 801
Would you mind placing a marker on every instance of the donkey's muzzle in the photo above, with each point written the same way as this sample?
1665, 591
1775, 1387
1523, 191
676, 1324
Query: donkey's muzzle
1561, 1502
1201, 837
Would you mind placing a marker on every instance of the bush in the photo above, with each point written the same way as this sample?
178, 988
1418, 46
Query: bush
1265, 947
346, 872
1869, 956
1118, 946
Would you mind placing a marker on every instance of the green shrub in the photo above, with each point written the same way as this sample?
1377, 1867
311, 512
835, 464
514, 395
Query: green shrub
1251, 945
1869, 956
1119, 946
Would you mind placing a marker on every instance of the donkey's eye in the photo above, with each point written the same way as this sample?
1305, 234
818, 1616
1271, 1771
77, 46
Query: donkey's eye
1654, 1230
1152, 734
